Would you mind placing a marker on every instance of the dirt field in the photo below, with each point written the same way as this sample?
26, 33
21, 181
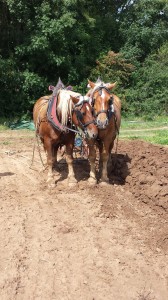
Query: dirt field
83, 243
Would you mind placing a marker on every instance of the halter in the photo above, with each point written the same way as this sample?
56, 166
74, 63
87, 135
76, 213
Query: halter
108, 111
79, 115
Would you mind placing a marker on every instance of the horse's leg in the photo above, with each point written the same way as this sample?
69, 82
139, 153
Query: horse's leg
92, 159
109, 161
49, 148
55, 161
104, 159
69, 160
55, 151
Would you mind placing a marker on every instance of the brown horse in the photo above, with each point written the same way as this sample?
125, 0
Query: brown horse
107, 111
71, 109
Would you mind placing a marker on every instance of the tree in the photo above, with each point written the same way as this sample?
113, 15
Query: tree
143, 28
42, 40
148, 92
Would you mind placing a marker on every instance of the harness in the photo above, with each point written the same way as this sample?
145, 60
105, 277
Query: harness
110, 111
79, 115
53, 118
52, 115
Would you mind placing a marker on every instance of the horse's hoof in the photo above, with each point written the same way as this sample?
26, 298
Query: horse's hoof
104, 182
49, 179
72, 182
50, 182
92, 181
51, 185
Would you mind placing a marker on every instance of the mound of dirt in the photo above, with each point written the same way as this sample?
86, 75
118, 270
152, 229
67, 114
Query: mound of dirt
144, 171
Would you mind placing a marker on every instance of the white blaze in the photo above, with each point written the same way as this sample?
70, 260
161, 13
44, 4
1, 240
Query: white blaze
103, 96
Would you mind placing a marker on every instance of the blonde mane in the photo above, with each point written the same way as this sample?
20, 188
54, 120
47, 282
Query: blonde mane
64, 108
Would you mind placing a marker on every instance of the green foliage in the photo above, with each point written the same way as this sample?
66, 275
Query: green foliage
120, 40
148, 93
19, 90
10, 86
33, 86
144, 27
113, 67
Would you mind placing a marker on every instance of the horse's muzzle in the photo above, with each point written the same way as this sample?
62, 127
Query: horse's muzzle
91, 134
102, 124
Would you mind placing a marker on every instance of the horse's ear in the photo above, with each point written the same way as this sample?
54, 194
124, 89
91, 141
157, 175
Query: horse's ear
51, 87
92, 84
74, 99
110, 86
98, 80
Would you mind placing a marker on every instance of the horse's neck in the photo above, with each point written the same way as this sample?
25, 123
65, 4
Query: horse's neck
117, 102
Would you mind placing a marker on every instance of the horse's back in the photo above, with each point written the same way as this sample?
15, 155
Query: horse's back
40, 109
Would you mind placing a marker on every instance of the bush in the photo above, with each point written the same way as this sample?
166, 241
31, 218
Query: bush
19, 90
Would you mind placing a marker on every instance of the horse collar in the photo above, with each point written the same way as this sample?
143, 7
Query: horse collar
52, 115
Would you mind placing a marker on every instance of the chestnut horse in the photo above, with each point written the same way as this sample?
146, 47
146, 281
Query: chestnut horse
71, 109
107, 111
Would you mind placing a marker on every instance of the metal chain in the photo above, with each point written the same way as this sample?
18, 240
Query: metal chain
36, 140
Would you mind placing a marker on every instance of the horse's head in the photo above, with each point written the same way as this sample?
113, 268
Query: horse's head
102, 102
82, 116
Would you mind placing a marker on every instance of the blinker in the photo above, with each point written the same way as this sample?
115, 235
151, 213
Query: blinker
79, 115
111, 101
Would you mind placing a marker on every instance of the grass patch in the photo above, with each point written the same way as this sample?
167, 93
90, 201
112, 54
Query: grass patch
6, 143
153, 136
159, 137
154, 131
137, 123
3, 127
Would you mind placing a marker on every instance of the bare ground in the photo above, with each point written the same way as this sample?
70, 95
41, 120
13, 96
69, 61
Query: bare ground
83, 243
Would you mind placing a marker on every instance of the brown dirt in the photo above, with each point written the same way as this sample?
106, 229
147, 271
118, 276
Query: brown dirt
83, 243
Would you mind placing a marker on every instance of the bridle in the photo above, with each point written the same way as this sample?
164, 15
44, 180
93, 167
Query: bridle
80, 115
108, 111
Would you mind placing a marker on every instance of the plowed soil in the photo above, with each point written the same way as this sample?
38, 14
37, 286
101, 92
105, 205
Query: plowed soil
84, 242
